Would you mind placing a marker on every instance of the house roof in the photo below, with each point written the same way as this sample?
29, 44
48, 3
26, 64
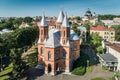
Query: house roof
108, 57
115, 46
98, 28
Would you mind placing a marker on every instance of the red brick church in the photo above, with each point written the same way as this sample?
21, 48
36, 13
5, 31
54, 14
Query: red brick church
58, 47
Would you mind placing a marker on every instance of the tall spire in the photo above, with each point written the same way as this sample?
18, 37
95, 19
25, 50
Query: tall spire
60, 17
65, 22
43, 21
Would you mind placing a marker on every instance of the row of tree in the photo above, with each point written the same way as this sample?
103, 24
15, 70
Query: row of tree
14, 23
107, 17
17, 39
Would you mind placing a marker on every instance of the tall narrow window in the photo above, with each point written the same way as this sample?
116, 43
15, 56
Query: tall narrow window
57, 55
64, 54
64, 33
49, 55
41, 32
41, 50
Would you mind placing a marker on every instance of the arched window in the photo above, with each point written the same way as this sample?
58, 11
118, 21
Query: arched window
41, 50
49, 55
64, 54
57, 55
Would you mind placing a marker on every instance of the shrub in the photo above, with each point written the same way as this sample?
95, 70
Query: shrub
79, 71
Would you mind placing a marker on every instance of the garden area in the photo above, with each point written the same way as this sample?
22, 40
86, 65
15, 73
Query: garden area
81, 66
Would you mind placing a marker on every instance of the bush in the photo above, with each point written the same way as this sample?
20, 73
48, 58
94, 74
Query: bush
80, 65
79, 71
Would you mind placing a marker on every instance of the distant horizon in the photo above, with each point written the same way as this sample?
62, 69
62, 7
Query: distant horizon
33, 8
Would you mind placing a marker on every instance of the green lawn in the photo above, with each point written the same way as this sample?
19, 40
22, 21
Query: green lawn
98, 78
32, 58
5, 73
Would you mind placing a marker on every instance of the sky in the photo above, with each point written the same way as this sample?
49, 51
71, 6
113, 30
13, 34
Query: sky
22, 8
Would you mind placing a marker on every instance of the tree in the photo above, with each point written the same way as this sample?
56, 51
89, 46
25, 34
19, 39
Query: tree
19, 65
117, 32
28, 19
78, 18
96, 39
100, 49
74, 27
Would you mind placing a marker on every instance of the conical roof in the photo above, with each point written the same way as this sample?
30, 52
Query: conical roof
43, 21
60, 17
65, 22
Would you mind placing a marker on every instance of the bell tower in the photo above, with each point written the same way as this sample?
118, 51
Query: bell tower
65, 31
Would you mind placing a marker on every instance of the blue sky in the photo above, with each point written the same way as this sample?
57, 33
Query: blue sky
22, 8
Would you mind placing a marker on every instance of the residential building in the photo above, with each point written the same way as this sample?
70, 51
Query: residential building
58, 47
106, 33
112, 57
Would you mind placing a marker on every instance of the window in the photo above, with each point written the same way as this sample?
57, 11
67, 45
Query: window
74, 46
64, 33
49, 55
105, 32
57, 55
41, 50
111, 33
64, 55
41, 32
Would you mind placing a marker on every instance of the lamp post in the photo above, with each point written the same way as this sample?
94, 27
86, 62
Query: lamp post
1, 63
87, 63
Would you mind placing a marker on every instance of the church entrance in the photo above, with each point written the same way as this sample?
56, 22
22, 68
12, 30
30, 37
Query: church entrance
49, 68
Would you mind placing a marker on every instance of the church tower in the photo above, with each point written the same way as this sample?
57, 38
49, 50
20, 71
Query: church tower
60, 19
43, 28
65, 31
43, 35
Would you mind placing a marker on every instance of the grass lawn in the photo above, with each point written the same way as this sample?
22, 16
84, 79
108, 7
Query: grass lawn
32, 58
98, 78
5, 73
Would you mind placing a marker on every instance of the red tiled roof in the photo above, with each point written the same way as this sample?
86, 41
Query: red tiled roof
98, 28
115, 46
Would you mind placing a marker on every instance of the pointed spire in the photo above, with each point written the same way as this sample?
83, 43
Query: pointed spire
60, 17
65, 22
43, 21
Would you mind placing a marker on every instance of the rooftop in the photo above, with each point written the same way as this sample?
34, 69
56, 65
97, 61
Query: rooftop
115, 46
108, 57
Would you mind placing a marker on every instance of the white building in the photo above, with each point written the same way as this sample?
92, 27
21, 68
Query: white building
113, 48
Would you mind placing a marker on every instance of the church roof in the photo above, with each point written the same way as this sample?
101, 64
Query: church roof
65, 22
74, 36
53, 39
60, 17
43, 21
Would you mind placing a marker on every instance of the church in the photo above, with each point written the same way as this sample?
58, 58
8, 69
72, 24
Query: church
58, 47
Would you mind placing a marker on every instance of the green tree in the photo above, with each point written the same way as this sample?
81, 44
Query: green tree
19, 65
117, 32
28, 19
99, 49
74, 27
96, 39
